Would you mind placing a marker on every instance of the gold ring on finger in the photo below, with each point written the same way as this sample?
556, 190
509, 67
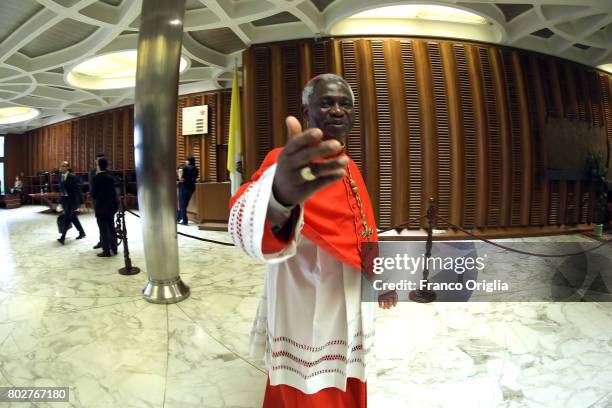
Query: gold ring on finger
307, 174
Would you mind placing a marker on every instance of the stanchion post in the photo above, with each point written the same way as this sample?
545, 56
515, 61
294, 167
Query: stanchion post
128, 269
426, 296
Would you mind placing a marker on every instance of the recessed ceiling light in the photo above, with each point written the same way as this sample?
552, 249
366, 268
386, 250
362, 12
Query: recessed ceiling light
109, 71
17, 114
421, 20
424, 12
606, 67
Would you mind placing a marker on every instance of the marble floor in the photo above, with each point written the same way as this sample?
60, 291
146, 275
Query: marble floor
68, 319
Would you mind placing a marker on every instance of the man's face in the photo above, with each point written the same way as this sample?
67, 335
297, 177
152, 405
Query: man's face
64, 168
330, 109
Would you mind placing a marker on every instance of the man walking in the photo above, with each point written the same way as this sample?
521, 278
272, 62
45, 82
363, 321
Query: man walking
71, 200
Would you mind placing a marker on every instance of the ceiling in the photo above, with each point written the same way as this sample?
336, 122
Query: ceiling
41, 39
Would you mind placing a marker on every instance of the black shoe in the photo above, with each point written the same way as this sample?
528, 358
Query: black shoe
104, 254
184, 223
60, 240
114, 251
98, 245
81, 236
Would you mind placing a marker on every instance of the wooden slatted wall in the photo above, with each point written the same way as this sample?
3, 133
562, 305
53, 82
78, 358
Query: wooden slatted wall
458, 121
181, 147
383, 143
605, 83
413, 114
351, 74
470, 158
442, 134
223, 134
112, 132
535, 100
128, 129
494, 165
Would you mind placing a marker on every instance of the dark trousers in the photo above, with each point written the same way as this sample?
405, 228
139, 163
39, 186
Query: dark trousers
184, 197
71, 217
93, 203
106, 224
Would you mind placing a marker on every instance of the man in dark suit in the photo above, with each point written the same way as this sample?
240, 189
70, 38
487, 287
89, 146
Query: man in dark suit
105, 199
71, 200
188, 175
92, 173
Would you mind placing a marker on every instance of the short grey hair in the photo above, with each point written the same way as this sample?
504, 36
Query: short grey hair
311, 85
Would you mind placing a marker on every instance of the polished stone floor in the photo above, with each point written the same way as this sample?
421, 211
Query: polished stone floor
68, 319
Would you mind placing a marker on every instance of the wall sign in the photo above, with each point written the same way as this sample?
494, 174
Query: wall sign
195, 120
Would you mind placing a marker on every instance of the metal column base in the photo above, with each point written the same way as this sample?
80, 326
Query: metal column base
165, 292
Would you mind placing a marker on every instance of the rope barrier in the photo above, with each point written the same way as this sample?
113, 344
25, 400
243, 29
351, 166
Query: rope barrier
402, 225
205, 240
518, 250
191, 236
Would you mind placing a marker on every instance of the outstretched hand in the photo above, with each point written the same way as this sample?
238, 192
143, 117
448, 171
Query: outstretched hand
306, 148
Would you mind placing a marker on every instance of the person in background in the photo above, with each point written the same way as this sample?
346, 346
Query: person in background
18, 186
188, 175
71, 200
92, 173
105, 199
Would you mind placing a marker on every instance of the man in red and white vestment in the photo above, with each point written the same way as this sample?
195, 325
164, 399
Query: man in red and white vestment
305, 212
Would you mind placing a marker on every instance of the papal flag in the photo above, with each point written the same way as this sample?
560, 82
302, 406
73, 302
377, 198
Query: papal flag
234, 149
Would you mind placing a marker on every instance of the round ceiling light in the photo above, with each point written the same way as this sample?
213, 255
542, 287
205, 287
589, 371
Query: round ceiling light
606, 67
109, 71
419, 19
17, 114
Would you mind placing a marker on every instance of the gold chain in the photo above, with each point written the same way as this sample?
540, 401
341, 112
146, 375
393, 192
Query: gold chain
367, 231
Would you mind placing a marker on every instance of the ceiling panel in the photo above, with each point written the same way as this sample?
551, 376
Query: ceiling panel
62, 35
194, 5
511, 11
197, 64
279, 18
582, 46
543, 33
14, 13
219, 39
66, 3
322, 4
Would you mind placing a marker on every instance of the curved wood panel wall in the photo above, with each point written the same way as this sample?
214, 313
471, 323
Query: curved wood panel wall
461, 122
112, 132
